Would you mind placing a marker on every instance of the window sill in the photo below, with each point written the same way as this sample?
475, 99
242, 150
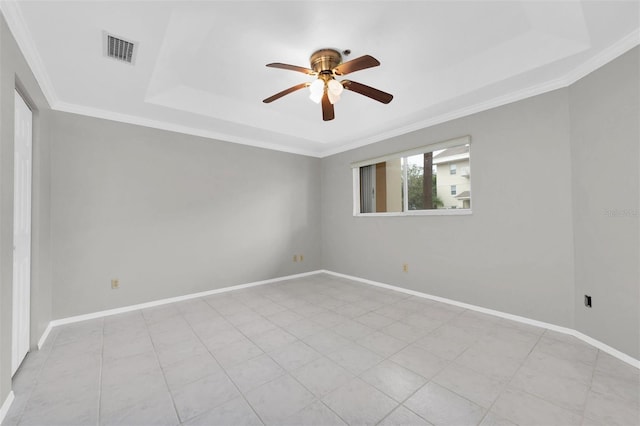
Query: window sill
435, 212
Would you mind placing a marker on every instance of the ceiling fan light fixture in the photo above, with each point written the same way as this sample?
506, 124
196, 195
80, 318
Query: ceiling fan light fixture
316, 97
334, 90
316, 90
335, 87
333, 98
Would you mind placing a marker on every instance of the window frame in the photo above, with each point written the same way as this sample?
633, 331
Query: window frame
355, 169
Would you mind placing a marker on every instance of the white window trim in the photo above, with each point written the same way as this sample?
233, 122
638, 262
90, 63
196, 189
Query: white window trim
356, 191
355, 167
405, 185
414, 151
431, 212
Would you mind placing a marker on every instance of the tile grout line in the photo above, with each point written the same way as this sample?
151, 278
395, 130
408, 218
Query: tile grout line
286, 372
100, 376
322, 355
221, 366
552, 402
388, 358
501, 390
401, 403
155, 352
35, 383
428, 380
328, 408
352, 341
506, 384
593, 371
315, 398
449, 363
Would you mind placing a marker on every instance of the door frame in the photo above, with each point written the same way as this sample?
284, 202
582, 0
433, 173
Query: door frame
21, 300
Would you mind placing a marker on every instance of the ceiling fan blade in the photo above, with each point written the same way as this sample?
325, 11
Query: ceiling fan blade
367, 91
327, 108
285, 92
361, 63
291, 68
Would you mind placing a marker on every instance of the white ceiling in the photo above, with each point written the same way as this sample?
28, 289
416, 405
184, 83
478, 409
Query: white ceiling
200, 66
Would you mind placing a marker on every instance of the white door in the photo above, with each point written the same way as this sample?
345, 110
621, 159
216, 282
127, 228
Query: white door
21, 232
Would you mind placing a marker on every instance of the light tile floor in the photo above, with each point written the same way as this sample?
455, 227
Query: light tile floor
319, 351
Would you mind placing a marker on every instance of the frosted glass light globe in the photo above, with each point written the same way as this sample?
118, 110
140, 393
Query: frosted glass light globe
316, 90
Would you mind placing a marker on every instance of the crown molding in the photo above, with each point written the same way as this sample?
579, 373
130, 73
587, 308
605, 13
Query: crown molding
173, 127
12, 14
17, 25
604, 57
452, 115
617, 49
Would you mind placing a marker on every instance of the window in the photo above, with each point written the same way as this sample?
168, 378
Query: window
418, 181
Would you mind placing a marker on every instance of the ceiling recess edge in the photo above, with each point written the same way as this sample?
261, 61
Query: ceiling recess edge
11, 11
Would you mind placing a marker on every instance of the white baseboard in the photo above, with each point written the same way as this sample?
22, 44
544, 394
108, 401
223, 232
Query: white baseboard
569, 331
109, 312
44, 336
6, 405
565, 330
605, 348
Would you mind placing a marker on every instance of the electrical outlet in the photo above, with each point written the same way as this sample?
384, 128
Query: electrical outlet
301, 258
115, 283
295, 257
587, 301
405, 267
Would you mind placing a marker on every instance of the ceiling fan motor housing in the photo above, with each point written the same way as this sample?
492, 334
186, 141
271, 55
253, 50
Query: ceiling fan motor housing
325, 60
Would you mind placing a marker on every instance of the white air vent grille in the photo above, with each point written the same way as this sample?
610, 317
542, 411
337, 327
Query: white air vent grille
120, 49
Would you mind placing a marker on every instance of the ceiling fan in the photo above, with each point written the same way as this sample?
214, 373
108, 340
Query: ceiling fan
326, 65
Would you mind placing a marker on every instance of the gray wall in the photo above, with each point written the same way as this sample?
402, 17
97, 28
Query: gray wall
605, 139
556, 193
14, 72
513, 254
171, 214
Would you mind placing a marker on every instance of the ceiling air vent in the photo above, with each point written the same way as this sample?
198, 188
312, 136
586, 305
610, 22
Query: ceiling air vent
120, 49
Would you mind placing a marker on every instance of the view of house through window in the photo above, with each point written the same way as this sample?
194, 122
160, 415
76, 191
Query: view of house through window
428, 180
